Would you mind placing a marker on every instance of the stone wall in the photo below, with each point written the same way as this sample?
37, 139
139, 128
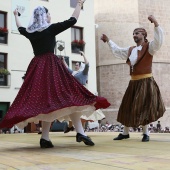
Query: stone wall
117, 19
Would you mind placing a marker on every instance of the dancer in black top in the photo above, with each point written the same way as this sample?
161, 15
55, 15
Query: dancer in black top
46, 93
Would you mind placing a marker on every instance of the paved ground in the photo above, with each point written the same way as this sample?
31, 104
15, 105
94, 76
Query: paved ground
22, 152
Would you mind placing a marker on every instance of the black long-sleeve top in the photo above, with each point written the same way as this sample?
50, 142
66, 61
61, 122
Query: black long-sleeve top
44, 41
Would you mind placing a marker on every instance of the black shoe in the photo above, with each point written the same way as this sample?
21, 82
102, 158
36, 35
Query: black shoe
68, 129
145, 138
120, 137
85, 139
39, 133
46, 144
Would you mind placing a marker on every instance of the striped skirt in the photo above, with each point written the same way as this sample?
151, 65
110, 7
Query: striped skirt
142, 103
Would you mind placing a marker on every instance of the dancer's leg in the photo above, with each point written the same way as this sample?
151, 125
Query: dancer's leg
77, 123
145, 134
124, 135
126, 130
145, 130
45, 130
81, 136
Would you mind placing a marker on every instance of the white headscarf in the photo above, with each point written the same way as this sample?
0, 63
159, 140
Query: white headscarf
38, 21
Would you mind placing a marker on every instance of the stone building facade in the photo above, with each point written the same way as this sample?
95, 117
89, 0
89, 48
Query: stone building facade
118, 19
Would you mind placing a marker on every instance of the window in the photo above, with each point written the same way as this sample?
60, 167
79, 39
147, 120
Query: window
76, 33
73, 3
3, 27
3, 70
77, 42
3, 60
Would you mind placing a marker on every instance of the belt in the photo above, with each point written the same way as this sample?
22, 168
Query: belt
141, 76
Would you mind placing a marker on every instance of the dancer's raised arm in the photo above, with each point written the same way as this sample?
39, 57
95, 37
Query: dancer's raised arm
85, 59
77, 10
157, 42
18, 24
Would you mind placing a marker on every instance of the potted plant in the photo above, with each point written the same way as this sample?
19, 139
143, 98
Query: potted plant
77, 45
81, 42
3, 31
75, 42
4, 76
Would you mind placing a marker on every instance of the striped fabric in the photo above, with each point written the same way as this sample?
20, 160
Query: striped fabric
141, 104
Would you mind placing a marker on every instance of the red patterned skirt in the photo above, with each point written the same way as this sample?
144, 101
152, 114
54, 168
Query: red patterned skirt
50, 92
141, 104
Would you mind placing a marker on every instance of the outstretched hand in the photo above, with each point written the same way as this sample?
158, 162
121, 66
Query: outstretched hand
15, 12
81, 2
104, 38
152, 19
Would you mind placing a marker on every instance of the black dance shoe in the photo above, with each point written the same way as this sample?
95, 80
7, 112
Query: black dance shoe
46, 144
145, 138
67, 129
120, 137
85, 139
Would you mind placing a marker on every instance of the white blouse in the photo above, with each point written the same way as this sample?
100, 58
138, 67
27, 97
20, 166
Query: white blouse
154, 46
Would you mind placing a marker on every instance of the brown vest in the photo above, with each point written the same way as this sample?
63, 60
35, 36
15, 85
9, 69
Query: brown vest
144, 61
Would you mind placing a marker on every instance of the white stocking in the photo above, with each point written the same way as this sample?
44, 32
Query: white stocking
126, 130
145, 130
45, 130
77, 123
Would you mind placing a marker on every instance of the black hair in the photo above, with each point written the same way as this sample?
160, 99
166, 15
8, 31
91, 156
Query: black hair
79, 63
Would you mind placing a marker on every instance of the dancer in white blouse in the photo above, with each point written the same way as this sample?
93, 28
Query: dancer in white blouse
142, 102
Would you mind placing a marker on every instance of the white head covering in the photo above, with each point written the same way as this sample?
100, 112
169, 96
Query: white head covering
38, 21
